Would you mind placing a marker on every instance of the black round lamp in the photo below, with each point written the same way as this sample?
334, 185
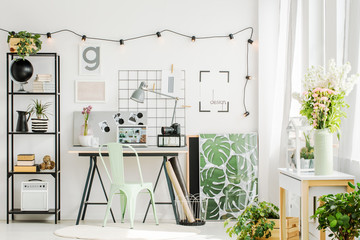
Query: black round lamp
21, 71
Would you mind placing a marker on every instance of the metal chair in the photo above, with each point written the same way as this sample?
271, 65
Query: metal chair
128, 191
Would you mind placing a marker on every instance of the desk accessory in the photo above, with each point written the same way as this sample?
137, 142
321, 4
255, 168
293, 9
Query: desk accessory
139, 96
171, 140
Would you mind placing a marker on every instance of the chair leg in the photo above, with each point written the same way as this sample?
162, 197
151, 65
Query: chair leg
153, 205
111, 195
123, 202
132, 205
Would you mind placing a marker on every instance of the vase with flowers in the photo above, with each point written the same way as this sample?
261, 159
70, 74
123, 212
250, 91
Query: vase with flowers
322, 103
85, 136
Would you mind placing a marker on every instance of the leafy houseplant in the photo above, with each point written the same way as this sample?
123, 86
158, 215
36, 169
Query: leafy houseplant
28, 43
39, 109
340, 214
254, 222
40, 123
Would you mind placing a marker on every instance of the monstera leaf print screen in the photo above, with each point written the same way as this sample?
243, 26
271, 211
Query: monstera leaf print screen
228, 173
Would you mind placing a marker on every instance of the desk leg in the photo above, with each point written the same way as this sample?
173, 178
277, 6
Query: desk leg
84, 192
282, 213
171, 190
304, 210
89, 189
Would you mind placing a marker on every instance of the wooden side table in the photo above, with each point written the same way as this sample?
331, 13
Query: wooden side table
304, 185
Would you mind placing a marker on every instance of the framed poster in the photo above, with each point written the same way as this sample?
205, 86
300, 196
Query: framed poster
228, 173
89, 59
90, 91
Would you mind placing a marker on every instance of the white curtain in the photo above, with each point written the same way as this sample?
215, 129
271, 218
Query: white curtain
278, 21
349, 152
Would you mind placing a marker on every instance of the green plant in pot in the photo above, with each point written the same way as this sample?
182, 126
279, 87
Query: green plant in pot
255, 222
40, 110
24, 43
307, 152
340, 214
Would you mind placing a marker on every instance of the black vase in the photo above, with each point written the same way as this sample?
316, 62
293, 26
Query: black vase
21, 71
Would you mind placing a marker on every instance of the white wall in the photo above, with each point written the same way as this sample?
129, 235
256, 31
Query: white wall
124, 19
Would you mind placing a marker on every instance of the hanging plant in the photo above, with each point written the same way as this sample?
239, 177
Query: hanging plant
24, 43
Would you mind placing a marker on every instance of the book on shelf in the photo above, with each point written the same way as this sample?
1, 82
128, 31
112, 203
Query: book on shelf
25, 163
43, 77
34, 168
26, 157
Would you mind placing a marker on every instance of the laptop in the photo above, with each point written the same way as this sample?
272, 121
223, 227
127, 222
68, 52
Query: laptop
134, 135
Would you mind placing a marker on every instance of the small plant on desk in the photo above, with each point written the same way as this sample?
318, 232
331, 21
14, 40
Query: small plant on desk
340, 214
255, 222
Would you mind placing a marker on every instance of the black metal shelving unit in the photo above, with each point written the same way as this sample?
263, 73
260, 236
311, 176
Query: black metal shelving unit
11, 133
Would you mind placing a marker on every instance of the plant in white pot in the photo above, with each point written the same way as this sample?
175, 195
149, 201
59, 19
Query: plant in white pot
322, 102
85, 136
40, 110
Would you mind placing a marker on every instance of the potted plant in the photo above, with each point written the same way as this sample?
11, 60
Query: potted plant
255, 222
307, 153
322, 103
340, 214
40, 123
24, 43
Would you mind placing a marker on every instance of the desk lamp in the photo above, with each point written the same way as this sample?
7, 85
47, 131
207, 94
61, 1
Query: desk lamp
139, 96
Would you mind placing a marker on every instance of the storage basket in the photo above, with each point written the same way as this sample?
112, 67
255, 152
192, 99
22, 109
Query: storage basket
198, 209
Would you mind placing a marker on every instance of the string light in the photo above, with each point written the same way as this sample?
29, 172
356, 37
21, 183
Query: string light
158, 34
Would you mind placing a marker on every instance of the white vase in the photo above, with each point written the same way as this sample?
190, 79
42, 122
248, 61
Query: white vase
323, 152
85, 141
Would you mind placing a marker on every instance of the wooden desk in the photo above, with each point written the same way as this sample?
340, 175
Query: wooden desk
93, 153
304, 184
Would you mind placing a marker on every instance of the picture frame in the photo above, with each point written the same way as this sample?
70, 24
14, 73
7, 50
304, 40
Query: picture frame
90, 91
89, 59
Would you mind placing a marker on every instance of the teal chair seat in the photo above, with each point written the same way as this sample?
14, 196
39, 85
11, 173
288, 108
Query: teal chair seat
128, 191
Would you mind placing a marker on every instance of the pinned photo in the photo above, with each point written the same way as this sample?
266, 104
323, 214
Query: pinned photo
104, 126
133, 118
118, 119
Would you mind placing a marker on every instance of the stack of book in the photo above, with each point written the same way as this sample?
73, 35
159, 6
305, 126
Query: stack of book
43, 83
26, 163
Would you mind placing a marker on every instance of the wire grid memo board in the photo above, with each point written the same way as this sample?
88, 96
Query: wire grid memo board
159, 109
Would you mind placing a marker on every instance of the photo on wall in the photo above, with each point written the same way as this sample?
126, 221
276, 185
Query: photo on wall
90, 91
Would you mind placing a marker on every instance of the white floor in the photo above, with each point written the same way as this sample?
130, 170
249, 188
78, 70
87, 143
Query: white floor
43, 230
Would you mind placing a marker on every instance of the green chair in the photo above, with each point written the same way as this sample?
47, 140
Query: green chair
128, 191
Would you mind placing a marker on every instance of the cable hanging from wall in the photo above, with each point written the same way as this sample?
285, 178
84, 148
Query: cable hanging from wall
158, 34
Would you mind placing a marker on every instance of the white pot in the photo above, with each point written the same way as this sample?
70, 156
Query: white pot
85, 141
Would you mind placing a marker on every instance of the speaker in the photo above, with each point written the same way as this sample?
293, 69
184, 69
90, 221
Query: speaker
34, 196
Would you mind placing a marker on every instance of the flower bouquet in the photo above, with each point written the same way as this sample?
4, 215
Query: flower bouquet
85, 136
322, 103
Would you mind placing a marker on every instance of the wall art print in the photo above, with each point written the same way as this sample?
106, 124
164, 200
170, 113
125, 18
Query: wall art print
228, 173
